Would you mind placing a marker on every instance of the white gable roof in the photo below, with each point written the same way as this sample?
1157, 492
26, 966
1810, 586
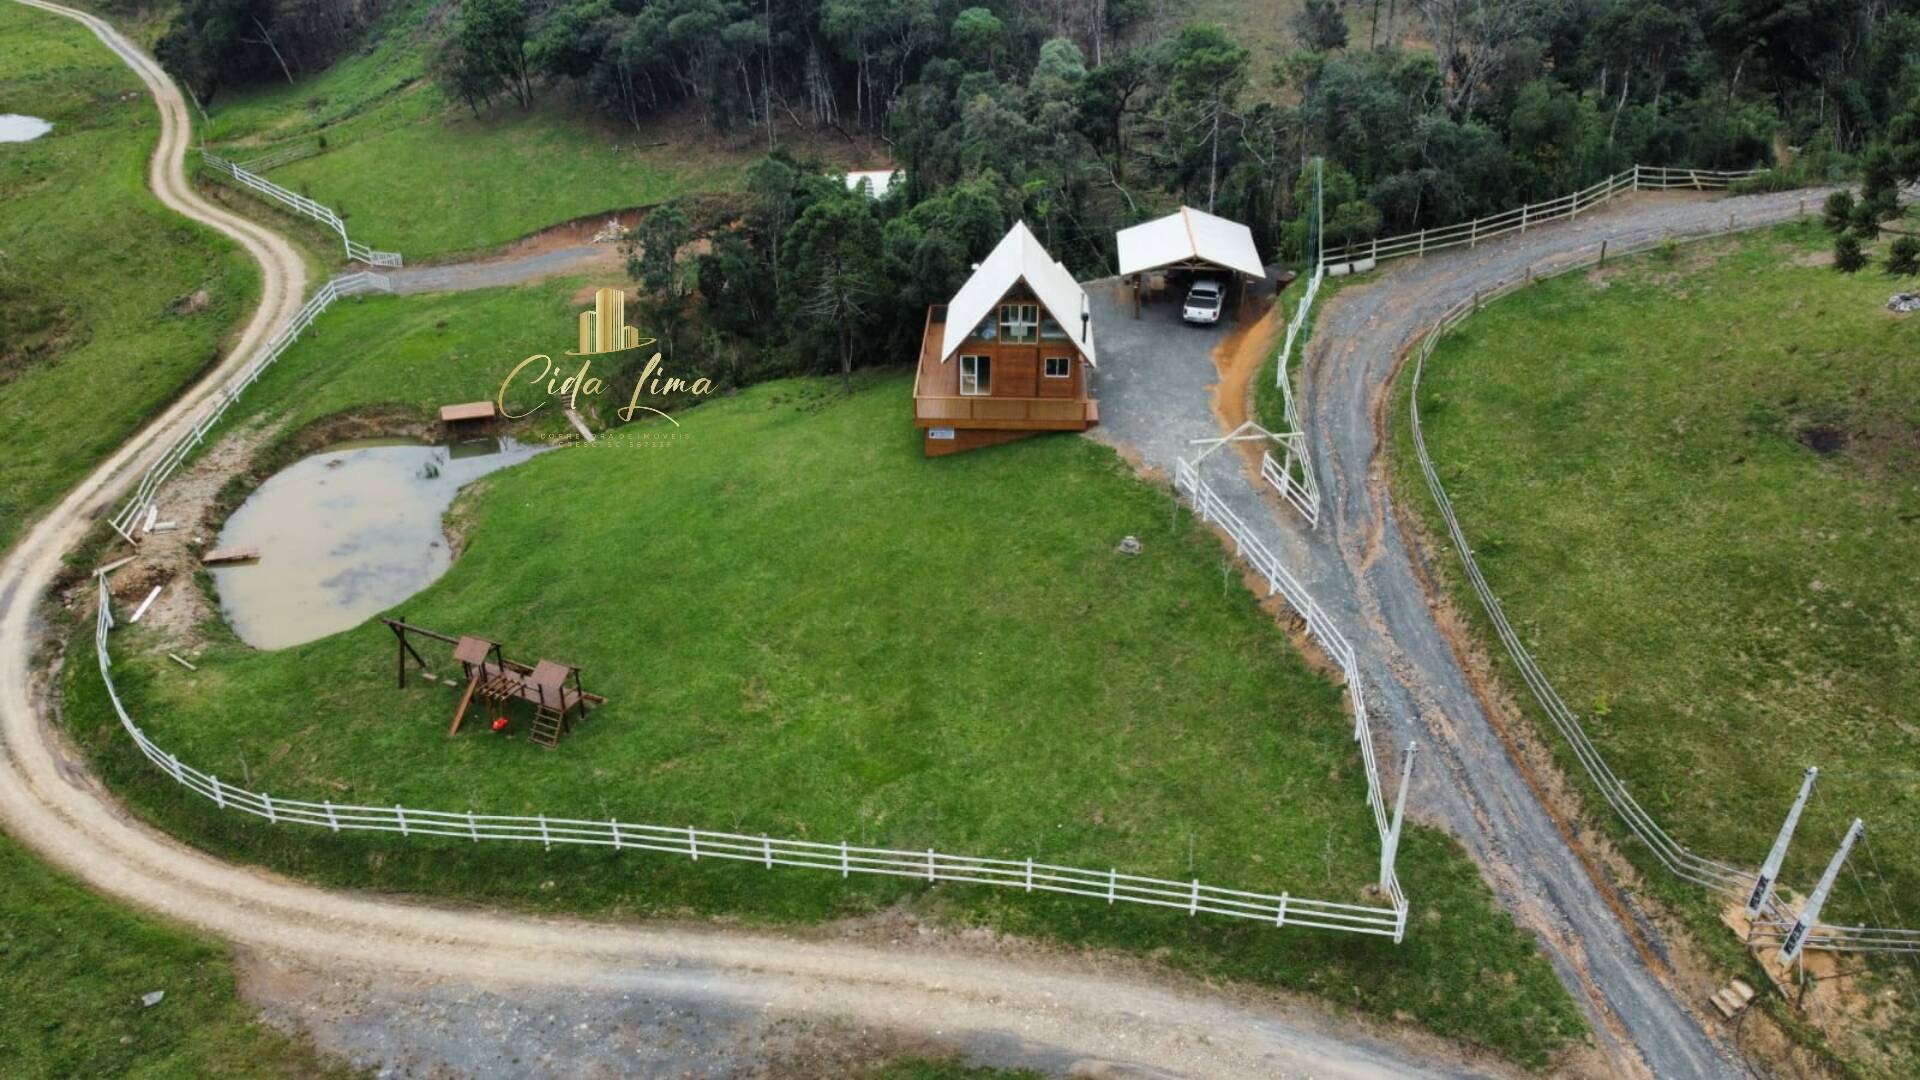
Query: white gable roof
1189, 234
878, 180
1017, 257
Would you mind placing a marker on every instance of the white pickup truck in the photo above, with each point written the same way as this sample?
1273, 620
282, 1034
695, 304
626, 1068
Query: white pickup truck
1203, 302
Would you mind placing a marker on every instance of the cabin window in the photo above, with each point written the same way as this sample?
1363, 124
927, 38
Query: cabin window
1059, 367
988, 330
1051, 330
1018, 322
976, 375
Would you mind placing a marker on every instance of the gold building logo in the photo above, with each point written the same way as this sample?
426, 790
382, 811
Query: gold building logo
605, 329
602, 330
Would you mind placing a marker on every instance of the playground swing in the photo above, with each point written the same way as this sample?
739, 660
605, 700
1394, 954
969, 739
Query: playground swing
495, 681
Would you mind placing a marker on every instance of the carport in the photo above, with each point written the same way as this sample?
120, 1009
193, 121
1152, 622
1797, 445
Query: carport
1187, 240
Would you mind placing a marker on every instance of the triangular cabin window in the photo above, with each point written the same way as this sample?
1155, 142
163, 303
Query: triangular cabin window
1051, 330
988, 330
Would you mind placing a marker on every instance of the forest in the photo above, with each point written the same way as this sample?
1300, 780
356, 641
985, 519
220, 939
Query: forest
1084, 117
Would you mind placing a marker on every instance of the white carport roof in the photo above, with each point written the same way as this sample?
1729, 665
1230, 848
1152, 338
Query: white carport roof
1017, 257
1189, 234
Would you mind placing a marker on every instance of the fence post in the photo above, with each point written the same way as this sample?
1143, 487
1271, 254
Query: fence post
1280, 913
1603, 253
1473, 233
615, 824
1029, 873
1769, 870
1113, 881
473, 827
1797, 937
1636, 176
1523, 218
400, 812
929, 864
1423, 241
844, 868
219, 799
1193, 902
766, 849
266, 800
332, 821
693, 840
1390, 850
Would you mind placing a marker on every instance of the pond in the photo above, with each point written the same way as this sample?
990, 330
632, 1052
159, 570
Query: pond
345, 534
17, 128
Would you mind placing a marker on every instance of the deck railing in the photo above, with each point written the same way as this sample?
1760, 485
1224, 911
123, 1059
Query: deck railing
128, 519
1034, 410
300, 204
1027, 875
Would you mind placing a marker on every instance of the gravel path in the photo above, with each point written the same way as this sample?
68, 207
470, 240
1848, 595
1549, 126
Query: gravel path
402, 980
1155, 400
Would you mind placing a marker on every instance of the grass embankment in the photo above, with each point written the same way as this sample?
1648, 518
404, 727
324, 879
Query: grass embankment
805, 628
76, 967
102, 317
1690, 480
415, 172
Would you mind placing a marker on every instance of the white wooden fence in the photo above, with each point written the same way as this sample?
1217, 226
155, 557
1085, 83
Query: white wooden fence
1213, 509
1777, 920
1363, 256
846, 859
284, 155
128, 519
301, 204
1300, 489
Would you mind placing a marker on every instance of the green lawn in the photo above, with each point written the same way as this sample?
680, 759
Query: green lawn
76, 967
1644, 463
98, 325
416, 173
807, 629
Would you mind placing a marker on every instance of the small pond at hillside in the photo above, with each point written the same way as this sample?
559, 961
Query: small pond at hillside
345, 534
17, 128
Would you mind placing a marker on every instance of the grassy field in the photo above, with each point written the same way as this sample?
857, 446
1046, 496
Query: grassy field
102, 317
805, 628
414, 172
76, 966
1690, 480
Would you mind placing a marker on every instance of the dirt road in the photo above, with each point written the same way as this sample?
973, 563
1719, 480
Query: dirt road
523, 990
1358, 565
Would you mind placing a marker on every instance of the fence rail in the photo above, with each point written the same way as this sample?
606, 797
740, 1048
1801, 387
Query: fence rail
302, 205
1363, 256
1302, 490
1776, 920
283, 156
1028, 875
127, 520
1211, 508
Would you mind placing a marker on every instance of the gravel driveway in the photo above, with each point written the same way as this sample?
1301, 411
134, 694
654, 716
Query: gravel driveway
1155, 399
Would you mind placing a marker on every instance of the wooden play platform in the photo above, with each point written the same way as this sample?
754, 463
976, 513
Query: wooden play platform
495, 681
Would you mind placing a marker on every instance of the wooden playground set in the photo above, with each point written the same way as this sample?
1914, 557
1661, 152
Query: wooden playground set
496, 682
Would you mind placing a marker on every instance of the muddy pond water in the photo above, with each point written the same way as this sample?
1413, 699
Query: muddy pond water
17, 128
345, 534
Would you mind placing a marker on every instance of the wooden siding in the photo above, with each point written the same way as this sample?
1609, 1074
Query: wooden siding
1020, 397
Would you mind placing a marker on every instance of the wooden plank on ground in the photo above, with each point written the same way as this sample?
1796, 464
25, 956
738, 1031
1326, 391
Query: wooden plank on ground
231, 554
471, 410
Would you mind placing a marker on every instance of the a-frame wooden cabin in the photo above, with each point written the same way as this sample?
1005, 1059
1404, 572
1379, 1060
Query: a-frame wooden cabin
1011, 353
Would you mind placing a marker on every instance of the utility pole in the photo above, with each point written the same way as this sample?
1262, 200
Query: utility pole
1797, 937
1770, 870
